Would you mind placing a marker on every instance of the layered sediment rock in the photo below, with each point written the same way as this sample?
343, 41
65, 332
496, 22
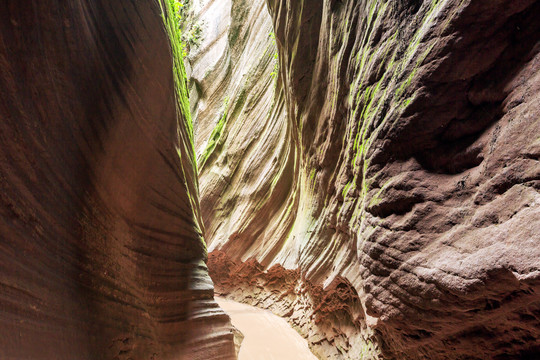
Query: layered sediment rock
409, 170
246, 158
101, 250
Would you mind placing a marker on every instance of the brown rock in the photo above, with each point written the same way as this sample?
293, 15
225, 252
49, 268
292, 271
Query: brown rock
101, 250
415, 181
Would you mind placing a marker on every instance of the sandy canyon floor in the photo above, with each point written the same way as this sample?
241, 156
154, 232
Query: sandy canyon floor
266, 336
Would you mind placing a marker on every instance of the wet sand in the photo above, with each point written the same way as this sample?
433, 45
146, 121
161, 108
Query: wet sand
266, 336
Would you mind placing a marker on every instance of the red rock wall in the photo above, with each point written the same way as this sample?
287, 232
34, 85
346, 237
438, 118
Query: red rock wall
415, 126
101, 248
421, 121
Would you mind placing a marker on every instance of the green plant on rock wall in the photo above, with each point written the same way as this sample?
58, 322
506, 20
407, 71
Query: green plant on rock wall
171, 20
215, 136
190, 27
276, 60
185, 148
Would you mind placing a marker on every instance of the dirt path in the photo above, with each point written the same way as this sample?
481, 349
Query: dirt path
266, 336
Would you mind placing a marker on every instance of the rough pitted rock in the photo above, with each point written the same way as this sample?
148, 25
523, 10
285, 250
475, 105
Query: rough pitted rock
101, 250
413, 172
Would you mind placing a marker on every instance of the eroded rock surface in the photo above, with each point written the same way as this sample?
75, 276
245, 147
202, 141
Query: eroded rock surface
412, 174
247, 161
101, 248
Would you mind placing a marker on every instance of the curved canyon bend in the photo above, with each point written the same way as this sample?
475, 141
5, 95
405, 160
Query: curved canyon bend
368, 170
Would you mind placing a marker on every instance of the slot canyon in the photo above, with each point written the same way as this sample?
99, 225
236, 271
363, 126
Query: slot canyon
368, 170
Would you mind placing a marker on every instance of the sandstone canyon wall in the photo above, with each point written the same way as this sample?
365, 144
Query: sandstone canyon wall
384, 193
101, 241
245, 154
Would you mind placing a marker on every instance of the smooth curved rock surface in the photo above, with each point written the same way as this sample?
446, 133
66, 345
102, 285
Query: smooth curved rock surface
414, 132
101, 251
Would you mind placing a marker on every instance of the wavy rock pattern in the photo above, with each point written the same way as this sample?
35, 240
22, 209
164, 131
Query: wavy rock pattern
413, 173
101, 251
247, 161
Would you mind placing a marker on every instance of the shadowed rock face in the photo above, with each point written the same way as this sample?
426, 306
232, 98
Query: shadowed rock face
415, 182
101, 250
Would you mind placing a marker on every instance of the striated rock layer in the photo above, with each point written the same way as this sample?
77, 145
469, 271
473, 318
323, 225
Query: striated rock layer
402, 165
101, 250
247, 161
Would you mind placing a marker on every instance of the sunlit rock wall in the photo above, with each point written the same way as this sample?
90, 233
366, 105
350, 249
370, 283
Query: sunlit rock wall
246, 149
101, 248
413, 195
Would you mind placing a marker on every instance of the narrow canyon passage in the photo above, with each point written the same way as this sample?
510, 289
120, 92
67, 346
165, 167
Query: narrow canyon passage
266, 336
367, 170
